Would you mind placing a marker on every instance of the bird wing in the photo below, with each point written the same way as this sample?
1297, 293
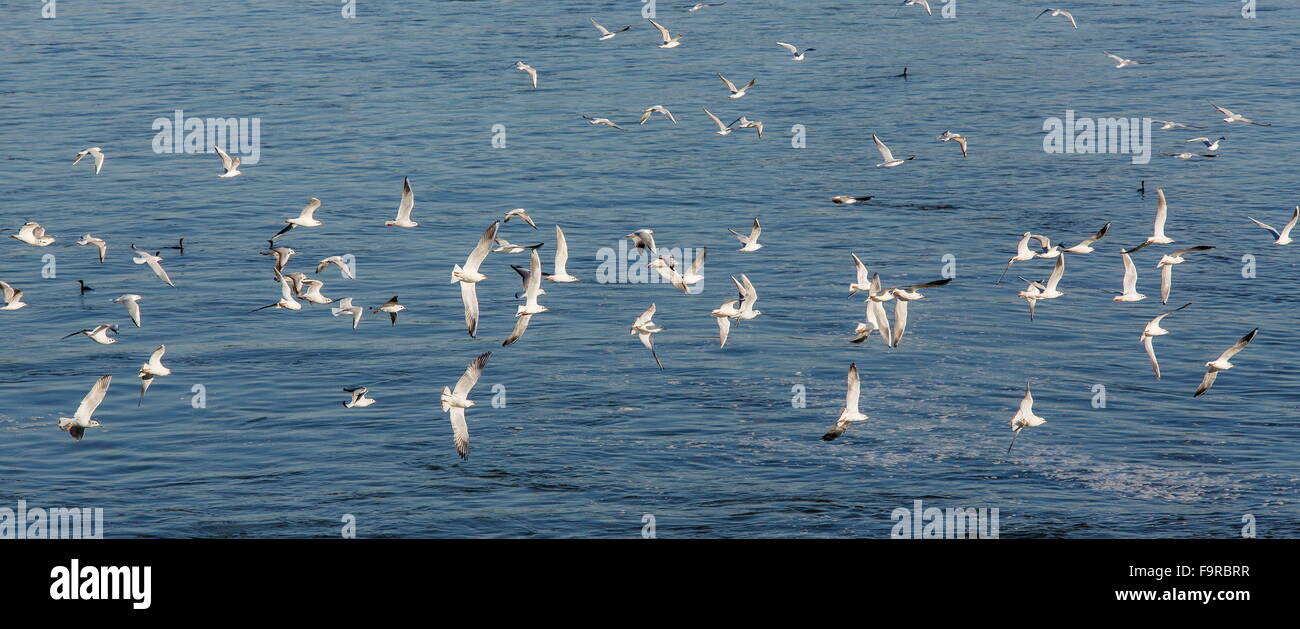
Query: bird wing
1130, 274
724, 329
854, 389
226, 162
602, 29
310, 208
158, 270
644, 317
755, 231
482, 248
698, 264
885, 153
1166, 281
1206, 382
792, 49
1147, 342
133, 309
534, 285
561, 252
1276, 235
1162, 212
471, 375
1295, 216
663, 32
1057, 272
881, 320
1239, 345
460, 432
731, 86
1222, 110
521, 324
860, 269
721, 127
900, 320
469, 297
408, 201
93, 398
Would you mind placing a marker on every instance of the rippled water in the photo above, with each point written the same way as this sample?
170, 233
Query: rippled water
593, 436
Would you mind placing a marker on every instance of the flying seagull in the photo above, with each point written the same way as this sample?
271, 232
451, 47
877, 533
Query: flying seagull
95, 152
737, 93
1166, 266
1158, 236
850, 413
521, 214
469, 276
1024, 417
359, 399
645, 114
524, 313
1130, 280
722, 129
532, 72
287, 300
392, 308
1120, 62
1151, 331
949, 136
230, 166
1221, 363
304, 218
153, 260
750, 242
1061, 13
12, 296
99, 244
132, 303
561, 272
1230, 117
903, 295
1086, 245
98, 334
606, 33
601, 121
457, 400
643, 327
887, 156
33, 234
798, 56
81, 420
1282, 237
340, 262
152, 369
669, 42
404, 208
345, 307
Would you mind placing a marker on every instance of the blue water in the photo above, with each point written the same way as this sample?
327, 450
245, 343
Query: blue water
593, 436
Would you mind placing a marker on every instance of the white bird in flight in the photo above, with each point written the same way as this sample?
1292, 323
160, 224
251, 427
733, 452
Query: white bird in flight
521, 214
12, 296
1086, 245
850, 413
737, 93
669, 42
887, 156
645, 113
798, 56
313, 293
98, 334
1230, 117
286, 301
949, 136
392, 308
1023, 254
1120, 62
1210, 145
722, 129
404, 208
1061, 13
341, 263
903, 295
602, 121
95, 152
469, 276
750, 242
132, 303
919, 3
1221, 363
1158, 236
230, 166
561, 272
99, 244
33, 234
359, 399
532, 72
304, 218
345, 308
606, 33
1130, 279
457, 400
1024, 417
1281, 237
1151, 331
152, 369
1166, 267
82, 419
532, 289
644, 327
154, 262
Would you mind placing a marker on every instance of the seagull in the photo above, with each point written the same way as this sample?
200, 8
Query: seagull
1221, 363
663, 33
1130, 280
132, 303
722, 130
729, 310
99, 244
457, 400
505, 246
948, 136
737, 93
1188, 155
1060, 12
1209, 145
297, 279
530, 307
750, 242
1049, 291
1086, 245
1169, 124
561, 273
748, 297
873, 324
98, 334
282, 255
843, 200
746, 123
404, 208
798, 56
645, 113
902, 295
1231, 117
345, 307
1283, 237
95, 152
286, 301
601, 121
340, 263
12, 296
313, 293
1158, 236
861, 280
850, 413
1166, 266
1120, 62
919, 3
1031, 294
153, 261
643, 327
359, 399
644, 241
81, 420
691, 8
522, 214
887, 155
1048, 250
682, 281
468, 276
392, 308
532, 72
1023, 254
524, 274
151, 370
606, 33
231, 166
33, 234
1024, 417
82, 287
876, 299
304, 218
1151, 331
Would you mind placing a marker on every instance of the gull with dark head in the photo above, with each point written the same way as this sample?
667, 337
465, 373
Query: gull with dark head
457, 400
404, 208
1221, 363
392, 308
33, 234
1061, 13
95, 152
669, 42
521, 214
154, 261
643, 327
345, 308
12, 296
1281, 237
229, 166
606, 33
359, 399
82, 419
99, 244
750, 242
98, 334
645, 113
850, 413
469, 276
887, 156
798, 56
